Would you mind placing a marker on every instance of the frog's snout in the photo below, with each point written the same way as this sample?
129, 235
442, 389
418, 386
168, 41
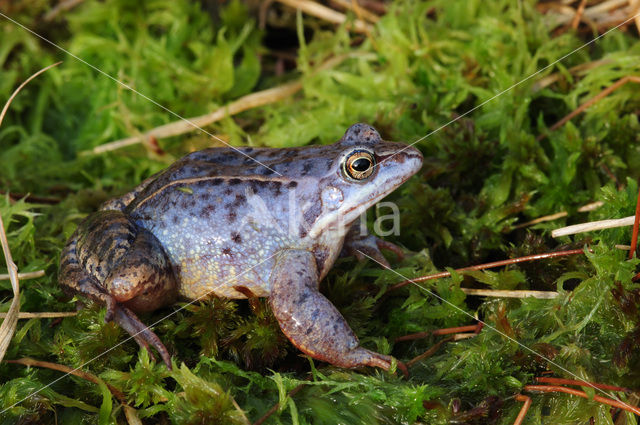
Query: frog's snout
406, 157
413, 158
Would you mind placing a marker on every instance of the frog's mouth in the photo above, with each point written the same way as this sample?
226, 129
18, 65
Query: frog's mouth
396, 167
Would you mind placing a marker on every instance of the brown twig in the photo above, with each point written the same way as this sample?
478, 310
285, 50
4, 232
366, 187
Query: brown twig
604, 93
431, 351
446, 331
525, 408
578, 16
276, 406
559, 389
500, 263
562, 381
26, 361
636, 223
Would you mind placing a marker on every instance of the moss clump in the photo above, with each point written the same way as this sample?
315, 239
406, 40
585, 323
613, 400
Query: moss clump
421, 66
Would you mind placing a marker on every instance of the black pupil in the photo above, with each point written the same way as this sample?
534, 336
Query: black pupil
361, 164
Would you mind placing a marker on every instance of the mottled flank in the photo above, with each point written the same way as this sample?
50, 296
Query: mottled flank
217, 224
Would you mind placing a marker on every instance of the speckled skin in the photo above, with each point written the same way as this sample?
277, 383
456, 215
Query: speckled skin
216, 222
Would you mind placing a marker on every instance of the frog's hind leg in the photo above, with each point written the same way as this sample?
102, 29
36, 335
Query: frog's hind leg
73, 277
309, 320
111, 260
141, 333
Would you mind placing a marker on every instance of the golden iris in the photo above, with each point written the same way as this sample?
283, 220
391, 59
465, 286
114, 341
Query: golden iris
359, 165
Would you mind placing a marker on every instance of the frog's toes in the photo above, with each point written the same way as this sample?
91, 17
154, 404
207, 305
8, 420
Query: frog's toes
382, 244
362, 356
371, 246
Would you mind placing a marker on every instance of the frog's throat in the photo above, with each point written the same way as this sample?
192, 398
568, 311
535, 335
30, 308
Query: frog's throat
341, 219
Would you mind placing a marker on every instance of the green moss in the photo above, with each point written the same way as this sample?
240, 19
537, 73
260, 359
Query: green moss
424, 64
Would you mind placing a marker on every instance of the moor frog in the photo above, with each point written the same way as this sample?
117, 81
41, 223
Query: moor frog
241, 223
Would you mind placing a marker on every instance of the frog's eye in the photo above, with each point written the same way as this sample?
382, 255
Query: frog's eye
359, 165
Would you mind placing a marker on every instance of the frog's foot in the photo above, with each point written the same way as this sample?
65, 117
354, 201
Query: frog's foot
369, 245
361, 356
141, 333
309, 320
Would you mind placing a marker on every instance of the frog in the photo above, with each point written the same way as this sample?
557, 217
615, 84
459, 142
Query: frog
238, 223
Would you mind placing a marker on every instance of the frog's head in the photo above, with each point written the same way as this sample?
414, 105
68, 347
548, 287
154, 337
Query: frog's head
363, 169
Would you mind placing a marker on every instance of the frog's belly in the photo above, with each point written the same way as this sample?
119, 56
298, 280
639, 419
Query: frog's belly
209, 262
220, 243
209, 275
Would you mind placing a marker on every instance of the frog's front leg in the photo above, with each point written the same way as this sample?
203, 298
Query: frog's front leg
309, 320
111, 260
361, 244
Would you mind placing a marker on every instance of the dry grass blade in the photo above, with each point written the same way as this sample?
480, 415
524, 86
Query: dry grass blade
585, 208
576, 70
358, 9
63, 6
599, 16
506, 293
593, 225
534, 257
604, 93
9, 324
24, 276
250, 101
634, 235
323, 12
635, 8
176, 128
26, 361
42, 315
